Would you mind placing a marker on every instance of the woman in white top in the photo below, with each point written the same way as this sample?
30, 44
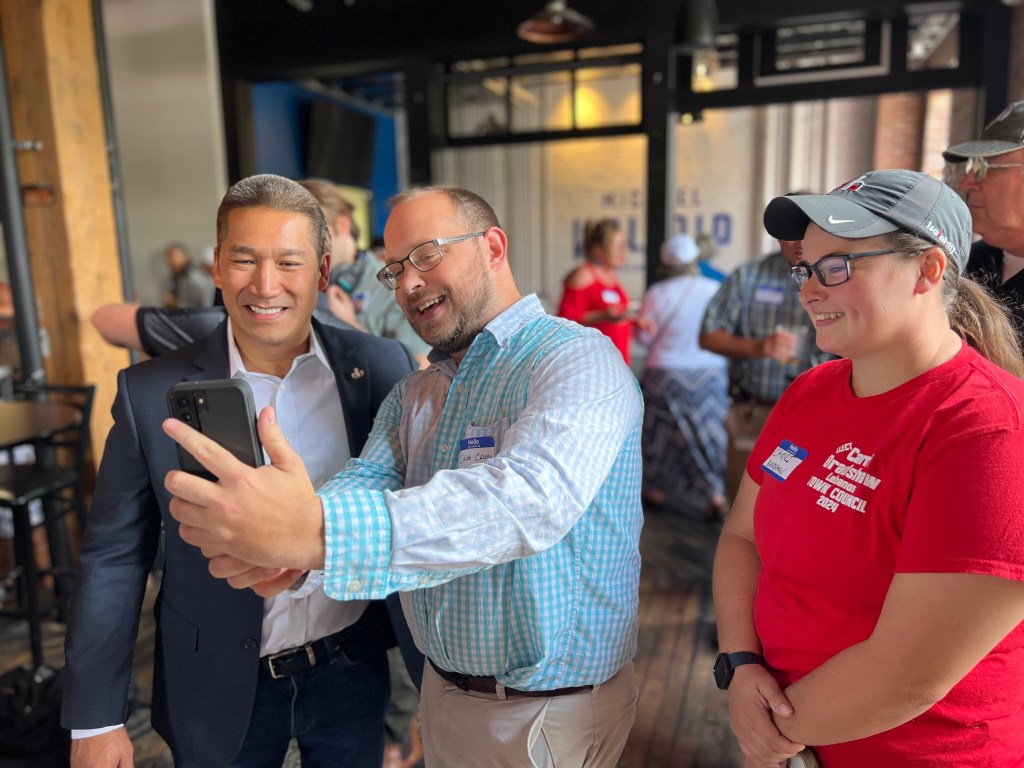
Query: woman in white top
684, 386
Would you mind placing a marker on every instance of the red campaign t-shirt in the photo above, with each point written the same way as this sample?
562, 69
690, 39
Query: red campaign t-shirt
926, 478
578, 301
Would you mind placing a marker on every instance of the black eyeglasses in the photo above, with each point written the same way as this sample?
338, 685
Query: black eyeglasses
424, 257
831, 270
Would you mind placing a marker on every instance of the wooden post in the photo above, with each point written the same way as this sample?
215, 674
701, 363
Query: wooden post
53, 82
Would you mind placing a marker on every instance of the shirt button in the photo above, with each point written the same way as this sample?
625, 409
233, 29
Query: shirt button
461, 387
444, 446
354, 586
250, 644
282, 387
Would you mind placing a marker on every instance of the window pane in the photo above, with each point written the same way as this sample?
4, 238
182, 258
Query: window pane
933, 41
477, 109
608, 96
542, 102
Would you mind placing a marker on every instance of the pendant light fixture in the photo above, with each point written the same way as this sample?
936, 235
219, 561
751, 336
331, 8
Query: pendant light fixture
555, 23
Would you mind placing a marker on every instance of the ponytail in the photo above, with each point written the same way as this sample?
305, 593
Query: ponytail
974, 315
984, 323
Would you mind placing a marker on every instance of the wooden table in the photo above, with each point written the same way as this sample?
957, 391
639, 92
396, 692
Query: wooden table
27, 421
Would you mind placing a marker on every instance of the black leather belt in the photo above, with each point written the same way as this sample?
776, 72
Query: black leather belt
490, 685
295, 660
371, 633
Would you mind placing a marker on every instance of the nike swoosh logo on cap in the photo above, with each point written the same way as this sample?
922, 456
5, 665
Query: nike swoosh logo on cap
840, 221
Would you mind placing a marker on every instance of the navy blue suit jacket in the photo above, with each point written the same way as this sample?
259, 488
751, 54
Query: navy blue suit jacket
208, 637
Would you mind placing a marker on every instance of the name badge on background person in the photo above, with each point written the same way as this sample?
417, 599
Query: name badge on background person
475, 450
784, 460
608, 296
769, 294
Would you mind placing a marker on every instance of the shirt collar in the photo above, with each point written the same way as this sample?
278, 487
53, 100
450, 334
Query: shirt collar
504, 325
236, 366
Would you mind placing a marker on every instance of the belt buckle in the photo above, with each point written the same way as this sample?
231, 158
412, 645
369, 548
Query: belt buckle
310, 655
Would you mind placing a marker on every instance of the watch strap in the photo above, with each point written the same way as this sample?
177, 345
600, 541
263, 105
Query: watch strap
726, 664
740, 658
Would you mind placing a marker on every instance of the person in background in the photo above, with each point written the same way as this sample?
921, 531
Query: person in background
381, 315
499, 492
592, 294
708, 251
869, 580
190, 285
236, 676
352, 270
684, 386
756, 321
992, 170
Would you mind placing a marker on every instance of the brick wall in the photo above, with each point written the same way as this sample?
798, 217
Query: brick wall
899, 130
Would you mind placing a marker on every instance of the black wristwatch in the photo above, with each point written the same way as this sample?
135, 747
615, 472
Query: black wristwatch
726, 664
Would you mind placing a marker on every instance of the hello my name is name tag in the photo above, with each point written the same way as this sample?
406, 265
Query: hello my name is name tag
784, 460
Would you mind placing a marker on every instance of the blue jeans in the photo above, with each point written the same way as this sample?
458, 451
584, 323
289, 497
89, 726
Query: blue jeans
335, 711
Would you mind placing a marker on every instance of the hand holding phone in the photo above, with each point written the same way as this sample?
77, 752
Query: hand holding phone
223, 410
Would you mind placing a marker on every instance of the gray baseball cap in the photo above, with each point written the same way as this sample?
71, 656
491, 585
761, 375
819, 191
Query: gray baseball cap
877, 203
1004, 134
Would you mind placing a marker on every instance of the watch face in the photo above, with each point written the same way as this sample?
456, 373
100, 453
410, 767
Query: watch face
723, 671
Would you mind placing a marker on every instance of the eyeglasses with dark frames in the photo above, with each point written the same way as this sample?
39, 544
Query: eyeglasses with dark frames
980, 166
423, 257
833, 269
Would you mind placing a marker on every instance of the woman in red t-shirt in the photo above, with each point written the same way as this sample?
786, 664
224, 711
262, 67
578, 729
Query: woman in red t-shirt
869, 580
592, 294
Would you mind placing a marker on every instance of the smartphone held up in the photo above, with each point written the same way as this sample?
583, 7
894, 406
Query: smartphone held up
223, 410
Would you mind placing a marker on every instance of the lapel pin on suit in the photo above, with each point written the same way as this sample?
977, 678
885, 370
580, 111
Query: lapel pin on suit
356, 373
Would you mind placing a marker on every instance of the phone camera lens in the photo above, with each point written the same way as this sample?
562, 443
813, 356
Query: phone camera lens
186, 417
183, 402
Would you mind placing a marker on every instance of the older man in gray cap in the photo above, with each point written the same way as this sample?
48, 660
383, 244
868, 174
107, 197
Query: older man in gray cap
993, 185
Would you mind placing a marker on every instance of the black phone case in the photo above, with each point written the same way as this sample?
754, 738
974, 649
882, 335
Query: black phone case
223, 410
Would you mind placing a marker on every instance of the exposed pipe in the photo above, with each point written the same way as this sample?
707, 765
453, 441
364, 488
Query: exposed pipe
113, 159
19, 269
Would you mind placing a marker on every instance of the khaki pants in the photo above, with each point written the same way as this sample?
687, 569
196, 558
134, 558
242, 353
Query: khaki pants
743, 424
464, 729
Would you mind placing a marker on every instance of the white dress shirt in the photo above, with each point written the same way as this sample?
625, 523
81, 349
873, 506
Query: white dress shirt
309, 412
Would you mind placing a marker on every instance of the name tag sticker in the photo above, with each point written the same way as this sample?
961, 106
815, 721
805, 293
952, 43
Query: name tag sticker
610, 296
475, 450
784, 460
769, 294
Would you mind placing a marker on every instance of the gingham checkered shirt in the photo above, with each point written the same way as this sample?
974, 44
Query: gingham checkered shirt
740, 307
524, 566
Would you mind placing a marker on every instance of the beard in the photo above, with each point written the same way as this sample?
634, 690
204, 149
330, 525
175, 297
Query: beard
468, 309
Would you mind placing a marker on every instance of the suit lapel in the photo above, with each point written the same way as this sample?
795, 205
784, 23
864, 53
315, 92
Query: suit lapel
351, 374
211, 358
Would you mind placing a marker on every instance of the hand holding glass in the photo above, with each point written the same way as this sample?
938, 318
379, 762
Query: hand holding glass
798, 336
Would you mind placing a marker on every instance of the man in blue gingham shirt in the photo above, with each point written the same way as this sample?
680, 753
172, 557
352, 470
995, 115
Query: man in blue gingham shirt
499, 492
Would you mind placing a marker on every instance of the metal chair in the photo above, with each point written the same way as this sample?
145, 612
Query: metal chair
56, 480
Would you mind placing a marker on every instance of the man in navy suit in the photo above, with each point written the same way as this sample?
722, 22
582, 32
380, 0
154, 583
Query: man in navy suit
236, 676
